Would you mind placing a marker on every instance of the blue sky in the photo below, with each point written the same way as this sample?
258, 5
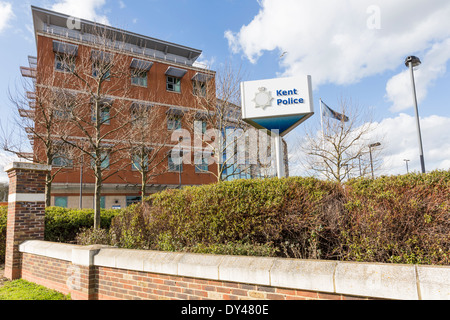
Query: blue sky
352, 48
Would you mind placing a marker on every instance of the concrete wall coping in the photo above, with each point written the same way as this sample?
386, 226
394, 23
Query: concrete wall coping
27, 166
376, 280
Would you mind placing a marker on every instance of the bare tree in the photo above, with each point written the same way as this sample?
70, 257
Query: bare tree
38, 113
99, 121
148, 142
340, 149
219, 129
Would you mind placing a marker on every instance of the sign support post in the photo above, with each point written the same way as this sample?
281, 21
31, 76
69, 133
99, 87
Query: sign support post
279, 155
278, 106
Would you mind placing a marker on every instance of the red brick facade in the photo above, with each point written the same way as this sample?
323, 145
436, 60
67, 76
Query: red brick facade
116, 284
26, 212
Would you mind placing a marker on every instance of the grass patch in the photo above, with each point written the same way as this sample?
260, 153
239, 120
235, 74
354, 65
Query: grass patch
24, 290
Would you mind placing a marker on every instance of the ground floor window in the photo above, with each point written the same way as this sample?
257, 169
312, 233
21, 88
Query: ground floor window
61, 202
133, 200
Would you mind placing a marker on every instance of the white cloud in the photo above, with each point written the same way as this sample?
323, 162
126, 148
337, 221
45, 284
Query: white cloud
205, 63
336, 40
400, 142
6, 14
85, 9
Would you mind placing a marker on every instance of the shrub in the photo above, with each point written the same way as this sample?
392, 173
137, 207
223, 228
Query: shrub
3, 218
401, 219
241, 213
398, 219
91, 236
129, 229
63, 225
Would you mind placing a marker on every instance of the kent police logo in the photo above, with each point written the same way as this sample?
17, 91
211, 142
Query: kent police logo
263, 99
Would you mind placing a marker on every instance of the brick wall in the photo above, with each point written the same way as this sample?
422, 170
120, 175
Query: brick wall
116, 284
104, 273
119, 284
26, 211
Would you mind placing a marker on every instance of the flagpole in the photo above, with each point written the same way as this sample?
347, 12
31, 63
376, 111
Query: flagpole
321, 121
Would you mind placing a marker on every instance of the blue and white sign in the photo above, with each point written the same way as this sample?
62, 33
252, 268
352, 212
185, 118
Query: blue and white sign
277, 104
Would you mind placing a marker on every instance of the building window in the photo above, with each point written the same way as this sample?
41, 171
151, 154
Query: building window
200, 126
64, 63
173, 84
199, 88
62, 161
105, 109
173, 123
201, 163
139, 78
102, 202
175, 163
104, 158
133, 200
140, 158
100, 69
61, 202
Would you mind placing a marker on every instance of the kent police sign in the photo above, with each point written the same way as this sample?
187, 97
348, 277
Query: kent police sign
277, 104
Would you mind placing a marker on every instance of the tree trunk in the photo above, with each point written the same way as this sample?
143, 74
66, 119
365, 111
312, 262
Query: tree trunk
97, 206
143, 186
48, 190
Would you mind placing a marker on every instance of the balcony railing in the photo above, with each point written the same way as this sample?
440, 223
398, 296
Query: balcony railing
119, 45
28, 72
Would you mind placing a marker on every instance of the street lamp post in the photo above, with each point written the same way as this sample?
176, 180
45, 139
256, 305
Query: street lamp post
407, 166
412, 62
371, 158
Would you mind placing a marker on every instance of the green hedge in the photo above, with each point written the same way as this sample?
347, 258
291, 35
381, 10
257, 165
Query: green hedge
269, 217
397, 219
63, 225
402, 219
3, 218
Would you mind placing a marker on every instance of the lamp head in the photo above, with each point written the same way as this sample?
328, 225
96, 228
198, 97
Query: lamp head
414, 60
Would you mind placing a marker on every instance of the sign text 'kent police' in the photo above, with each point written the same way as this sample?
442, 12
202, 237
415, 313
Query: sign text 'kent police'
289, 100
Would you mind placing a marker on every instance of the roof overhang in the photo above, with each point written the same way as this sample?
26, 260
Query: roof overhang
41, 17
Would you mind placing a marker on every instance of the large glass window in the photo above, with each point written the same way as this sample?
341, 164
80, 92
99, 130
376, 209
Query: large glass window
105, 160
199, 88
139, 78
105, 113
133, 200
201, 163
175, 162
64, 63
101, 69
173, 84
173, 123
61, 202
140, 158
62, 161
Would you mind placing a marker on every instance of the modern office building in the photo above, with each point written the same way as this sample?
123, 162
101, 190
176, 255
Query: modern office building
116, 84
161, 77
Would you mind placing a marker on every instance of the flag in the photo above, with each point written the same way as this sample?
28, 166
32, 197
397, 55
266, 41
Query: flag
328, 112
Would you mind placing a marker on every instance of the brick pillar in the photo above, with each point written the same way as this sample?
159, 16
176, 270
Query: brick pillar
26, 211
